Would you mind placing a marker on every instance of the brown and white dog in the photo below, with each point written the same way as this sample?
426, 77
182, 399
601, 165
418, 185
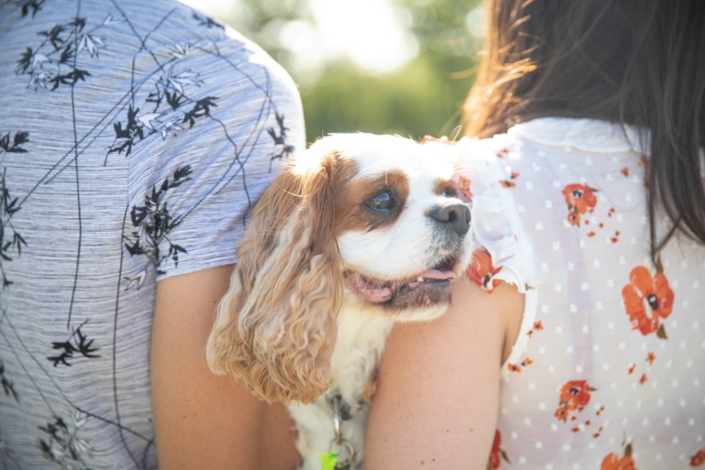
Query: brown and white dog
355, 234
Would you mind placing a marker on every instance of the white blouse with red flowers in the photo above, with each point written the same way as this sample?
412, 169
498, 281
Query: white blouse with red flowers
609, 369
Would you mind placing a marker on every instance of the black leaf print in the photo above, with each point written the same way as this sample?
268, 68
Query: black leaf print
127, 137
24, 62
46, 450
180, 175
66, 54
34, 5
153, 222
7, 385
14, 147
174, 99
171, 87
82, 346
52, 63
200, 109
54, 36
78, 23
68, 79
279, 141
62, 444
206, 21
10, 240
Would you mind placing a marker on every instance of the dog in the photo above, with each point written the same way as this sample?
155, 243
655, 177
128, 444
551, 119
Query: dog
357, 233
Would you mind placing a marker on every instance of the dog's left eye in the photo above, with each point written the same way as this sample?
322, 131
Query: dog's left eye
450, 192
381, 202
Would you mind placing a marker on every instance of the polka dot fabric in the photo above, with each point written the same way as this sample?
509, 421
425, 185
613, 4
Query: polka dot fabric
608, 371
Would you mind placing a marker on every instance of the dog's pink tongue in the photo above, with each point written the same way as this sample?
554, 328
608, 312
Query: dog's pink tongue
437, 274
367, 290
358, 287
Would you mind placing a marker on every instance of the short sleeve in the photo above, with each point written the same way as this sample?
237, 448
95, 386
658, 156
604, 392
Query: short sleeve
503, 251
221, 120
500, 254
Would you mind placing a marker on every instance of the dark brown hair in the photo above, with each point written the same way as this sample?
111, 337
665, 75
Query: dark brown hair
625, 61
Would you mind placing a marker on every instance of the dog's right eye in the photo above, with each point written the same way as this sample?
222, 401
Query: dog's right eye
381, 202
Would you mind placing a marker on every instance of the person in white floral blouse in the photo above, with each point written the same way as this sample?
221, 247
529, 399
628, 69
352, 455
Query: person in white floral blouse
590, 209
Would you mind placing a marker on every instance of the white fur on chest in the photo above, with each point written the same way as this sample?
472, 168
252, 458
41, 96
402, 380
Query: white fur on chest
360, 342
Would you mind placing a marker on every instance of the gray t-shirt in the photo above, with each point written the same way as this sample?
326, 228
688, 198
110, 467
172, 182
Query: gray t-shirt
135, 139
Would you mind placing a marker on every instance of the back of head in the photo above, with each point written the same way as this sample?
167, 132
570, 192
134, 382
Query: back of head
624, 61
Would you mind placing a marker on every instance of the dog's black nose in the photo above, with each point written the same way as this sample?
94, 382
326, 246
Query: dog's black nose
453, 217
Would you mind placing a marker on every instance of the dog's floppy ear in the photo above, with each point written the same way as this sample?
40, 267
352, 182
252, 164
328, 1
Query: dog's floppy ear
276, 326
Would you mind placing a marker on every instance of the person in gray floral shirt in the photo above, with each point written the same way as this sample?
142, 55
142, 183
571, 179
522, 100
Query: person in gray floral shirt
135, 139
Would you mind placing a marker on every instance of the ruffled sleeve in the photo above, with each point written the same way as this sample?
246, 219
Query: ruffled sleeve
503, 251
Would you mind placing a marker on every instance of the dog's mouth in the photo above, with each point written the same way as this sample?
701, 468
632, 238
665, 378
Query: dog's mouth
375, 290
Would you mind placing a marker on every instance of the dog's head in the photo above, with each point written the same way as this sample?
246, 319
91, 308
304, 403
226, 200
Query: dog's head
370, 219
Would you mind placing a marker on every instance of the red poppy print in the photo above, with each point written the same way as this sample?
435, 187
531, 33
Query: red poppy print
562, 414
580, 199
647, 300
482, 271
651, 358
574, 395
509, 183
643, 379
464, 187
428, 138
615, 462
517, 367
614, 239
625, 172
497, 452
574, 219
698, 460
538, 326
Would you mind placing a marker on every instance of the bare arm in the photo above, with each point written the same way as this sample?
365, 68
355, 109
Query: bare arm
203, 421
438, 396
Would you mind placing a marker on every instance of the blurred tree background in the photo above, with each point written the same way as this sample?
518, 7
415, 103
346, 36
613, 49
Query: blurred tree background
383, 66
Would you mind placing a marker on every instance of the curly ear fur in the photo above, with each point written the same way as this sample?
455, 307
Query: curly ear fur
276, 326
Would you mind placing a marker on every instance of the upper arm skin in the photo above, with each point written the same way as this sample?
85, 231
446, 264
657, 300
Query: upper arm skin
204, 421
438, 394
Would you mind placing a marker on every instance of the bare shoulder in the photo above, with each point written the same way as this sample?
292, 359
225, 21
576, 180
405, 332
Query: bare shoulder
203, 420
475, 320
438, 392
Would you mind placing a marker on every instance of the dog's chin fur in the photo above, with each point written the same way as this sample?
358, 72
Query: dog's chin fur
424, 314
426, 298
289, 326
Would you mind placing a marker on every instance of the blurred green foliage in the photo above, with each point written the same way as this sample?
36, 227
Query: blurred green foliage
424, 97
419, 99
